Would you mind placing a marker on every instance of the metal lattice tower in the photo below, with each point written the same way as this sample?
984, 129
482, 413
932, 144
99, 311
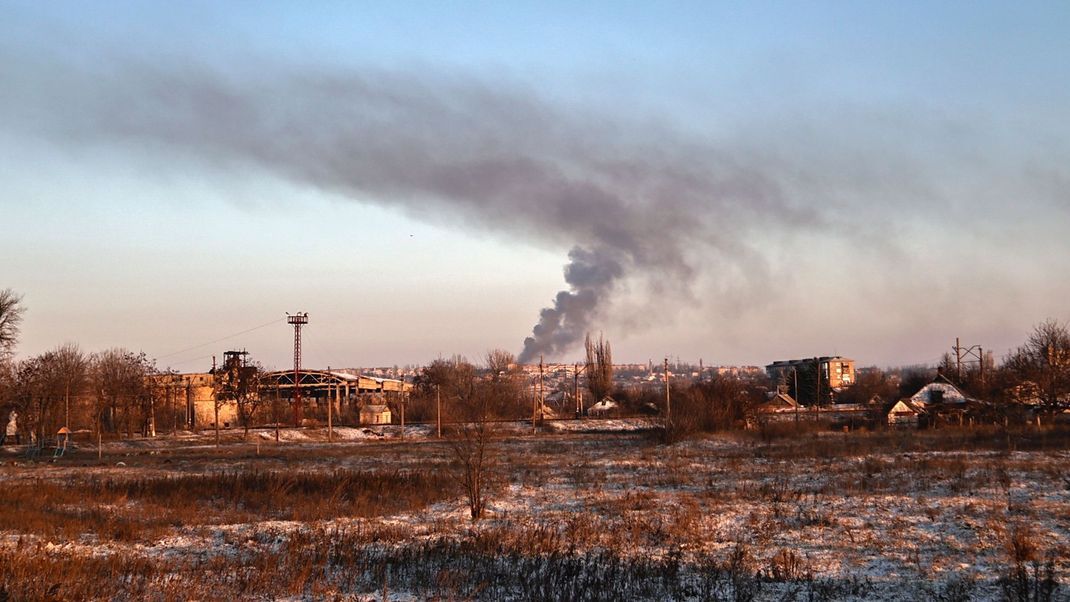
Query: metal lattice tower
298, 320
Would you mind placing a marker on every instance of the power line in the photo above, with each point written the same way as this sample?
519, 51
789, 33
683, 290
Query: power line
189, 361
229, 336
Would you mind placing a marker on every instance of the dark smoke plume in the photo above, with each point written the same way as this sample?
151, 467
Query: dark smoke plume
591, 275
634, 202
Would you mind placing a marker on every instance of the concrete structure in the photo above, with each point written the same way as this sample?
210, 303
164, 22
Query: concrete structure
836, 371
346, 390
375, 414
191, 398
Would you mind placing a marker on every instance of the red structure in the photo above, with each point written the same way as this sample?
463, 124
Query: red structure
298, 320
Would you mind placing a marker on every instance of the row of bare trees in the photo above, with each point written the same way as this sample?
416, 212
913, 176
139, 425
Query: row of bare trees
111, 391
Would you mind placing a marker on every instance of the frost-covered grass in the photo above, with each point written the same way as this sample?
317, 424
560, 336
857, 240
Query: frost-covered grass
571, 516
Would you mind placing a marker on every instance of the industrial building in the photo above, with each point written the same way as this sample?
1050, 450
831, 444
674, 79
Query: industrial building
192, 397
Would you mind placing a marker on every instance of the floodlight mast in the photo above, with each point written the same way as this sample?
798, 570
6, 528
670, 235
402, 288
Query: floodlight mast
298, 320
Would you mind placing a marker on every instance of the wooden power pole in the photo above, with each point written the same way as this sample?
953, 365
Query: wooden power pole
536, 400
330, 409
668, 400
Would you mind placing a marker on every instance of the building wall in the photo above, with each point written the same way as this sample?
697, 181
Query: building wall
901, 415
375, 416
197, 392
836, 371
840, 372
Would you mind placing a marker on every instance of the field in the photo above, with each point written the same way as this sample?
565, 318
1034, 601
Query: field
602, 513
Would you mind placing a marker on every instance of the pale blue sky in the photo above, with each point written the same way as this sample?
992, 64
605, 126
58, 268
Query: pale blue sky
931, 138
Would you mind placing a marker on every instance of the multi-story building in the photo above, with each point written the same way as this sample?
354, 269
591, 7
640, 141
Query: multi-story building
835, 371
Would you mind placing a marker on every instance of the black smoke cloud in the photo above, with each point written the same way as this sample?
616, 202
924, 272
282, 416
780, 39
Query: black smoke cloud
632, 201
591, 275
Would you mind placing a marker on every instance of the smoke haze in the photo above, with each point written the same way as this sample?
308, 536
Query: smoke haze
643, 204
633, 201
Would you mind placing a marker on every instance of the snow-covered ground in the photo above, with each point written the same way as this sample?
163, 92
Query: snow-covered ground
886, 525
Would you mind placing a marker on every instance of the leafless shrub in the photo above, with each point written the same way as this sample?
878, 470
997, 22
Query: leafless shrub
958, 588
787, 565
1031, 576
471, 443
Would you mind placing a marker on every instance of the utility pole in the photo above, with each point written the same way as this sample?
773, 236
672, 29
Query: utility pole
401, 402
215, 401
958, 359
152, 412
173, 390
330, 410
536, 401
438, 406
795, 374
817, 385
576, 390
668, 401
965, 353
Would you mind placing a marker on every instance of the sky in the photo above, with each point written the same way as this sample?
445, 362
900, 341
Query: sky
736, 182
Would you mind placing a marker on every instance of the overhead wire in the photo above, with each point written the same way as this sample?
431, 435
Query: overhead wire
229, 336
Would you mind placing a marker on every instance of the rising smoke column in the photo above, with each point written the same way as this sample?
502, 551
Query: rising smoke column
590, 275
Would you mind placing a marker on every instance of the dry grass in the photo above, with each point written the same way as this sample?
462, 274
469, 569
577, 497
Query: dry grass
577, 518
140, 509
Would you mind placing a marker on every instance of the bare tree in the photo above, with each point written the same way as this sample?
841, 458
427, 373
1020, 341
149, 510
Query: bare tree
11, 311
37, 392
72, 370
238, 382
122, 389
599, 367
8, 386
1045, 360
500, 363
471, 443
453, 377
504, 381
869, 383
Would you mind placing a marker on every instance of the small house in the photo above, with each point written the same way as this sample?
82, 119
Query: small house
904, 413
375, 414
780, 407
941, 402
940, 391
603, 408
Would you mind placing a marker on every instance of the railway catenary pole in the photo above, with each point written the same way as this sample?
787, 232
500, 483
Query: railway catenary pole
576, 392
